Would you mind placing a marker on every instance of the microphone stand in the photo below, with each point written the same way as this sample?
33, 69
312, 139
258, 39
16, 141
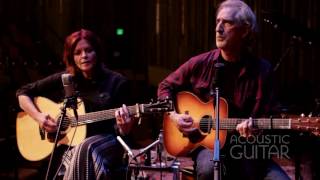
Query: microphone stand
144, 150
216, 155
69, 102
216, 105
147, 149
160, 150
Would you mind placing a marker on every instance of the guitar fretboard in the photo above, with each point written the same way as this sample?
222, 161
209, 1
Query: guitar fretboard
261, 123
99, 116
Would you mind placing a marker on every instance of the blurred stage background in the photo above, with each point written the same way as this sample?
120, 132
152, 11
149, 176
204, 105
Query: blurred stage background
145, 40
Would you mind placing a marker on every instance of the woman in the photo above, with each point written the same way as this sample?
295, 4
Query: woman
99, 155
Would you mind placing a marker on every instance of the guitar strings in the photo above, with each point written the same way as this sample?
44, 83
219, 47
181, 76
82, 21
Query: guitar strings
94, 117
231, 123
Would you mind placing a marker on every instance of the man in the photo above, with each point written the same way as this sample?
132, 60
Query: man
244, 83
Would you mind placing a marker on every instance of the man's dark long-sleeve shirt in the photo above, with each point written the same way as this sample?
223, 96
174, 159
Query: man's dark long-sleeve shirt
245, 84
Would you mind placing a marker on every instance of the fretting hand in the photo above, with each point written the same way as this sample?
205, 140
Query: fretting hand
245, 128
124, 120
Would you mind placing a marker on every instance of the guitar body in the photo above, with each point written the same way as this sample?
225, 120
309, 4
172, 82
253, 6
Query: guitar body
29, 141
175, 142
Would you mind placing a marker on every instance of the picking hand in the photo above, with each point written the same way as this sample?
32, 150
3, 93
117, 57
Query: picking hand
184, 122
47, 123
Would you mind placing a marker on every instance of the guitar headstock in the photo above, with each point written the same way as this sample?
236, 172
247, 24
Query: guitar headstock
309, 124
164, 105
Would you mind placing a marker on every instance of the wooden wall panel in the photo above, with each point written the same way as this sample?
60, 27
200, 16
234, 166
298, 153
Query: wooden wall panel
163, 34
285, 39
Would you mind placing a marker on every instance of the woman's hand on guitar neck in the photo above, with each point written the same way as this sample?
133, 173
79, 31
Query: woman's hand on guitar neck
124, 120
184, 122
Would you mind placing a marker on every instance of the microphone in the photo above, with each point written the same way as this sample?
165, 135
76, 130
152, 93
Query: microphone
68, 86
218, 74
69, 90
143, 150
126, 147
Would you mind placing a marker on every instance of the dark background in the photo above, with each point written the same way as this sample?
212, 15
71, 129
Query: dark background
159, 35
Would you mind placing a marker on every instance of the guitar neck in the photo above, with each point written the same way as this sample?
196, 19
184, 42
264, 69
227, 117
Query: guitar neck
98, 116
261, 123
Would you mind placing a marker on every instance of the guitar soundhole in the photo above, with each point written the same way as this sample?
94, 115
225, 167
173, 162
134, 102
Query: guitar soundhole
205, 124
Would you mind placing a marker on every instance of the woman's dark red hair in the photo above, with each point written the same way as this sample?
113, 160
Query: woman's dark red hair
70, 44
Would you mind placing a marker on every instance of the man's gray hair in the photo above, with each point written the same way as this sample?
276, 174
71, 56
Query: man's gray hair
244, 15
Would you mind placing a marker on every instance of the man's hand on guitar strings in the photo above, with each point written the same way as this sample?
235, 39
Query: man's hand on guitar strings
184, 122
